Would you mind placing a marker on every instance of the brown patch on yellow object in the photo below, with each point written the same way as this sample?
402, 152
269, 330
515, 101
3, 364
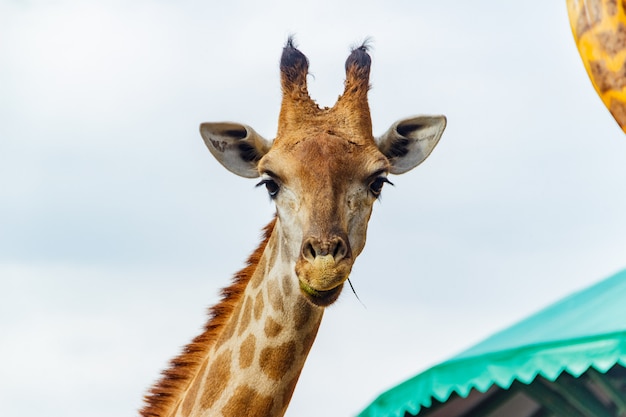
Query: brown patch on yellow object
618, 110
611, 7
589, 15
613, 42
606, 79
599, 28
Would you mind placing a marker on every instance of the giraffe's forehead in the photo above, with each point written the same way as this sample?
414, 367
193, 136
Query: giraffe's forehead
323, 155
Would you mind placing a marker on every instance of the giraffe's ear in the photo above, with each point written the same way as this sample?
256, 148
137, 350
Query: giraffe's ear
409, 141
236, 146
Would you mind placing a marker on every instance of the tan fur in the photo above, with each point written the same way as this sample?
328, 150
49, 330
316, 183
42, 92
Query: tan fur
176, 379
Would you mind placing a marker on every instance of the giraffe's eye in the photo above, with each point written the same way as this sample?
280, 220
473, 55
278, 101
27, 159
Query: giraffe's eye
271, 186
376, 186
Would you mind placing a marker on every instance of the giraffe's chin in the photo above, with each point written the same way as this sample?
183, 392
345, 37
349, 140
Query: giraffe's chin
320, 298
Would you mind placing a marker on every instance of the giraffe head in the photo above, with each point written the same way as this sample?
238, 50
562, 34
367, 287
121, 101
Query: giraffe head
324, 169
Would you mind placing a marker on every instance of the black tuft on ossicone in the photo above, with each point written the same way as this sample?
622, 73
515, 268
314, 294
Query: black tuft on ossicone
359, 56
293, 63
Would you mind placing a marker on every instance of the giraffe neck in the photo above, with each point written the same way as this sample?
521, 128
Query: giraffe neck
253, 367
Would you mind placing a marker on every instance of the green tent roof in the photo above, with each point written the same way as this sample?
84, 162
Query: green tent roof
585, 329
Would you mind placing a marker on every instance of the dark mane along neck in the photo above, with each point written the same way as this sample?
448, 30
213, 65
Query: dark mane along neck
183, 368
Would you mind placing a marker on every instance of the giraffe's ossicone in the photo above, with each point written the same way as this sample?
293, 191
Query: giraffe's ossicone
599, 28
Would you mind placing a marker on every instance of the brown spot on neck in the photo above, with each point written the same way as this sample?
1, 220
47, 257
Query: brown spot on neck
273, 253
275, 295
287, 285
272, 329
275, 362
220, 375
259, 304
303, 311
248, 402
246, 351
229, 329
257, 278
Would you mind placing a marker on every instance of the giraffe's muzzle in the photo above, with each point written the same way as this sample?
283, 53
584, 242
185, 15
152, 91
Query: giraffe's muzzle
323, 267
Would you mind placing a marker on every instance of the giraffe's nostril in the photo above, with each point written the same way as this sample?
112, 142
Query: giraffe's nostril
341, 249
308, 251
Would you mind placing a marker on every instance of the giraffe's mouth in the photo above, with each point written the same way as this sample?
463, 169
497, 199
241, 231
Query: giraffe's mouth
321, 281
318, 297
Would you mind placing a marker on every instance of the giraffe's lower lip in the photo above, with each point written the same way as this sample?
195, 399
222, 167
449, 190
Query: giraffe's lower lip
318, 297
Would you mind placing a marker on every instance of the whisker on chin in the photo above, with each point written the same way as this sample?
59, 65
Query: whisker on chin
355, 294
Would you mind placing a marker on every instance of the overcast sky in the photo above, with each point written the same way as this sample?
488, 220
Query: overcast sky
118, 228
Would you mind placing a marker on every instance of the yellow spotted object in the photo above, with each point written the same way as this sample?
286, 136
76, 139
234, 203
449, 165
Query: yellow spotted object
599, 28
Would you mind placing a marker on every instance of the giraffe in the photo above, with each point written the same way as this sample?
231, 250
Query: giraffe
599, 29
323, 170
